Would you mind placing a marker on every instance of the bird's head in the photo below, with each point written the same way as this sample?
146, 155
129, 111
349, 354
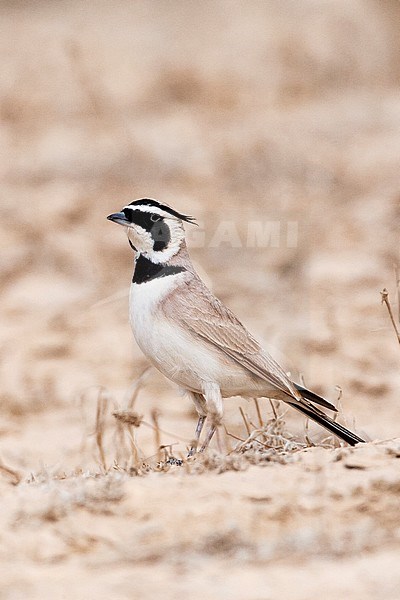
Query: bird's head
154, 229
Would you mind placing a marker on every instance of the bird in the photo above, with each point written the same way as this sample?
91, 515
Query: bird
191, 337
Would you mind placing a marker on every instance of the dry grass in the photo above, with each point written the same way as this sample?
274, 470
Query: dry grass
386, 302
274, 112
266, 440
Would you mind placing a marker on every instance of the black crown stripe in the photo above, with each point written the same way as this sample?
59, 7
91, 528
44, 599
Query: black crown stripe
171, 211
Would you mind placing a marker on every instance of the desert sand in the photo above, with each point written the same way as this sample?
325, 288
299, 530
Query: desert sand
277, 125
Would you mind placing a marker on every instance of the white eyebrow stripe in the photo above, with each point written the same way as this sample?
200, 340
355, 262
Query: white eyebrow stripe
151, 209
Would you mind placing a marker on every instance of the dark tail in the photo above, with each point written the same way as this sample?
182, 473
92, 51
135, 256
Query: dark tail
314, 397
322, 419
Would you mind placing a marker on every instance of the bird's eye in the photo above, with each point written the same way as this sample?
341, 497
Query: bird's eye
155, 218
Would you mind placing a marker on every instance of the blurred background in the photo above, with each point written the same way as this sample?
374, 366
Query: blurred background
280, 113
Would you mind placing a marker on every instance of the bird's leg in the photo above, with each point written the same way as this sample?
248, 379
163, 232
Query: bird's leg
211, 430
213, 398
201, 408
198, 431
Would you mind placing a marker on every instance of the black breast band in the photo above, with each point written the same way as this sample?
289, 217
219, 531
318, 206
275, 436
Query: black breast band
145, 270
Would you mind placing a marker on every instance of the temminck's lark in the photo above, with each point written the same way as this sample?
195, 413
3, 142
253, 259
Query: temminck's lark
191, 336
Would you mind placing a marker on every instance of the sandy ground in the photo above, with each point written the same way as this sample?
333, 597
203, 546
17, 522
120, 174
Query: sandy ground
272, 116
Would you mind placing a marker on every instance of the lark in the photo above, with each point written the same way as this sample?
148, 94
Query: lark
191, 336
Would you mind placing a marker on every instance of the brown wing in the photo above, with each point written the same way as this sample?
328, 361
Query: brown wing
198, 310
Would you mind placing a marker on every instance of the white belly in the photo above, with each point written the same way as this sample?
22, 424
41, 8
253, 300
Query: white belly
179, 355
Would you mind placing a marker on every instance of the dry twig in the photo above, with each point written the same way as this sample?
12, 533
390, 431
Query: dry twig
11, 473
386, 301
258, 410
245, 421
102, 402
157, 437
